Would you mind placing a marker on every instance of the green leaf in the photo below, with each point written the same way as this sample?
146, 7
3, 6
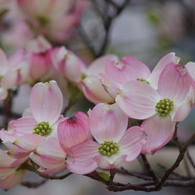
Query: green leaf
104, 175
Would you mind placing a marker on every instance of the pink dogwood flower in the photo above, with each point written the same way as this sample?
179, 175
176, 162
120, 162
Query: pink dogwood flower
55, 19
13, 71
162, 108
53, 154
114, 145
91, 84
68, 64
25, 134
117, 72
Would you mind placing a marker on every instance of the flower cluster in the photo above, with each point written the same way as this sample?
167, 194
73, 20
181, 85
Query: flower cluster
121, 90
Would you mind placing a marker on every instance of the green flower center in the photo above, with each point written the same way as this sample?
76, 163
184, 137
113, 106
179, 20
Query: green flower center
42, 20
163, 107
143, 80
108, 148
42, 128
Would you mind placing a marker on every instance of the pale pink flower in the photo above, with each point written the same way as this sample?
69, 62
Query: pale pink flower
162, 108
10, 176
19, 32
55, 19
25, 134
129, 68
13, 71
114, 145
68, 64
91, 84
53, 154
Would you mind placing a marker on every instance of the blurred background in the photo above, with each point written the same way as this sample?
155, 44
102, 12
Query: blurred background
146, 30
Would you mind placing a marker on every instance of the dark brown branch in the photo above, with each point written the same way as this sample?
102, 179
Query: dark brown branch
137, 175
190, 159
33, 185
149, 169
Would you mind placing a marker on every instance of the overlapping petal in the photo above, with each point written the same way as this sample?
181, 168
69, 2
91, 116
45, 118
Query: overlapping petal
132, 142
25, 143
159, 131
137, 99
73, 130
128, 68
49, 154
46, 102
174, 83
13, 180
154, 77
107, 122
98, 65
82, 157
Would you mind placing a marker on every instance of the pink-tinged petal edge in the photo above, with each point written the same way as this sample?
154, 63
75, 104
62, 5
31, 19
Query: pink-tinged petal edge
132, 142
137, 99
107, 122
46, 102
13, 180
73, 130
159, 131
82, 157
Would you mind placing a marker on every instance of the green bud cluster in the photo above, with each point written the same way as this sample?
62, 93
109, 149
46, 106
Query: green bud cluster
42, 128
143, 80
108, 148
42, 20
164, 106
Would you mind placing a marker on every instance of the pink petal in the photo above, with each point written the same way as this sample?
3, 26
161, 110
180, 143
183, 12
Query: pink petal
18, 162
110, 86
98, 65
46, 102
19, 155
174, 83
38, 45
10, 79
24, 125
107, 122
5, 159
6, 171
52, 171
49, 154
13, 180
154, 77
183, 111
137, 99
190, 66
25, 143
82, 157
127, 69
159, 131
132, 142
94, 90
73, 130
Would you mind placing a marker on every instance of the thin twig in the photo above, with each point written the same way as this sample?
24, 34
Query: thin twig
149, 169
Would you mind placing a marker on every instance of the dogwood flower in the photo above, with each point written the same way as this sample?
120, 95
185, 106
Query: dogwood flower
117, 72
53, 154
114, 144
162, 108
25, 134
